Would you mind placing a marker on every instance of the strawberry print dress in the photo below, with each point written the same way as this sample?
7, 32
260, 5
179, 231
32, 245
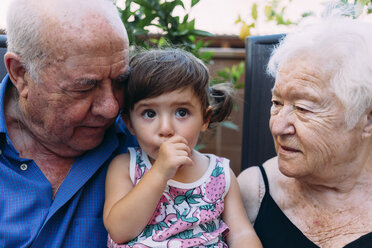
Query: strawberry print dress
188, 214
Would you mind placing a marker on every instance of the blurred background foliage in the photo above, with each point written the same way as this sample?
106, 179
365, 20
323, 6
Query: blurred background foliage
275, 11
139, 16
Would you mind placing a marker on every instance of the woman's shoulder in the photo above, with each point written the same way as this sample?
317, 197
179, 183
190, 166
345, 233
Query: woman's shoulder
252, 185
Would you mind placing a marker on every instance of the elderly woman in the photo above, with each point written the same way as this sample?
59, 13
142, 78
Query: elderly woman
317, 192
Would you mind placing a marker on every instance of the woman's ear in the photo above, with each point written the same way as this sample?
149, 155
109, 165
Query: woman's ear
367, 130
17, 73
128, 123
207, 119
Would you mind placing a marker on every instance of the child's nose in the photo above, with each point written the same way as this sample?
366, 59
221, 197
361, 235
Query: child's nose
166, 127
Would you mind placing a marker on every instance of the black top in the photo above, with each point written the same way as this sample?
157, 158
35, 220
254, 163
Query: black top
275, 230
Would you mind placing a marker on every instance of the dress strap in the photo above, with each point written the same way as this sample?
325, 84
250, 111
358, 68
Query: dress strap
264, 176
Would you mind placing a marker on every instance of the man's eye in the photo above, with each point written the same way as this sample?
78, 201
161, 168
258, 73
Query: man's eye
148, 114
84, 90
85, 85
182, 113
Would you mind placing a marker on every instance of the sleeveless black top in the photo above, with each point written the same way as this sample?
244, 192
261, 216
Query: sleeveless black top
275, 230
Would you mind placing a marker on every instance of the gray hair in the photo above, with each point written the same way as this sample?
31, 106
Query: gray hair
344, 46
28, 20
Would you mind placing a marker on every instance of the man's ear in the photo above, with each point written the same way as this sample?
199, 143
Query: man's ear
17, 73
207, 119
128, 123
367, 130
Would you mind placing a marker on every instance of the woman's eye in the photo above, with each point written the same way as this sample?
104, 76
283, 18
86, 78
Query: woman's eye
182, 113
275, 102
148, 114
301, 109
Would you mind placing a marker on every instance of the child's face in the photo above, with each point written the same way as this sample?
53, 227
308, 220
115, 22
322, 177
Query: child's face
154, 120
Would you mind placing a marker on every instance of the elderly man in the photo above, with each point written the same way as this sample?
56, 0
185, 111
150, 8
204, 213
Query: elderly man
318, 191
67, 62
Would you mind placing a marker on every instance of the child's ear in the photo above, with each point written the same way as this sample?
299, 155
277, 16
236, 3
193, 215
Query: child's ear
207, 119
128, 123
367, 130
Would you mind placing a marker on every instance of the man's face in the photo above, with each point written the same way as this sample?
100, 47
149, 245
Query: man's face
77, 97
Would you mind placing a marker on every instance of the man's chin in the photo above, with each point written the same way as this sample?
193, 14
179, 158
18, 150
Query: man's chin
82, 145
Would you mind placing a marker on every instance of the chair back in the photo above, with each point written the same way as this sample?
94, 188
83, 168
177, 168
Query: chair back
257, 143
2, 52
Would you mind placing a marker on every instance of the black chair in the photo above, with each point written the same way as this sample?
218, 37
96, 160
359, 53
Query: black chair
2, 52
257, 143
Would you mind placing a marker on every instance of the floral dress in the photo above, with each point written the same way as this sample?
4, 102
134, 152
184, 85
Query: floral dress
188, 214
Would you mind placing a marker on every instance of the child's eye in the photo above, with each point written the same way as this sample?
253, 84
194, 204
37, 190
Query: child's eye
148, 114
182, 113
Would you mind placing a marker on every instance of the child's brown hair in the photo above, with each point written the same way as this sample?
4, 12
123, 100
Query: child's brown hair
158, 71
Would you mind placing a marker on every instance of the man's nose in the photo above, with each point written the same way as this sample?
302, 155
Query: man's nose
106, 102
282, 122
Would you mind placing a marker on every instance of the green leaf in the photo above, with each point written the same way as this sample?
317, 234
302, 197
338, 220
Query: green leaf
185, 18
189, 193
203, 228
224, 74
306, 14
179, 199
162, 224
144, 3
254, 11
162, 42
198, 32
191, 201
181, 33
148, 231
238, 20
194, 2
268, 12
230, 125
190, 220
217, 171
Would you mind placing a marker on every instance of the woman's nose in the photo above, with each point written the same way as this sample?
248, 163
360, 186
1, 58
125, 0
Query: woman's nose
281, 123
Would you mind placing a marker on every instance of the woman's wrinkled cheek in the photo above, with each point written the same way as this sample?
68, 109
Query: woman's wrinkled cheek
318, 143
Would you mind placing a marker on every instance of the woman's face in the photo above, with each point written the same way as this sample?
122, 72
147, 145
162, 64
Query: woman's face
307, 122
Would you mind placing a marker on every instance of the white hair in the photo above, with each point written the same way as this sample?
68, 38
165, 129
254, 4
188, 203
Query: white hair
28, 20
344, 47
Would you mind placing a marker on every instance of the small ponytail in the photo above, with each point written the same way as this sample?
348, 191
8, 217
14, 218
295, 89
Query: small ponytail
221, 101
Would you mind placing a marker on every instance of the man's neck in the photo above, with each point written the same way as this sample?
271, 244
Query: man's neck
54, 167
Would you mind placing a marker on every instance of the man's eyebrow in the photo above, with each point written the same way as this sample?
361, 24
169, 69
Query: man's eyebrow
122, 77
87, 81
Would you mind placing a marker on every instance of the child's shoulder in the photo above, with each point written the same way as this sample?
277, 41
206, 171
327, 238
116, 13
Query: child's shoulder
121, 160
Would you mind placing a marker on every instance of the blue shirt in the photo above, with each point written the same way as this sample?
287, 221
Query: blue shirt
28, 215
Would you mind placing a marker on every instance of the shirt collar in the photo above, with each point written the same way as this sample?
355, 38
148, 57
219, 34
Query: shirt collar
3, 85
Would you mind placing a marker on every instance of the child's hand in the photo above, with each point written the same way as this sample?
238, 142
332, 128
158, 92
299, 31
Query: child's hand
173, 154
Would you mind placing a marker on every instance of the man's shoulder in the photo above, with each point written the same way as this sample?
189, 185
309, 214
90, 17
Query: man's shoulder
126, 139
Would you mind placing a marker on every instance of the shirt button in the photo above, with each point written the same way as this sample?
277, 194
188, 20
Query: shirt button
23, 167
